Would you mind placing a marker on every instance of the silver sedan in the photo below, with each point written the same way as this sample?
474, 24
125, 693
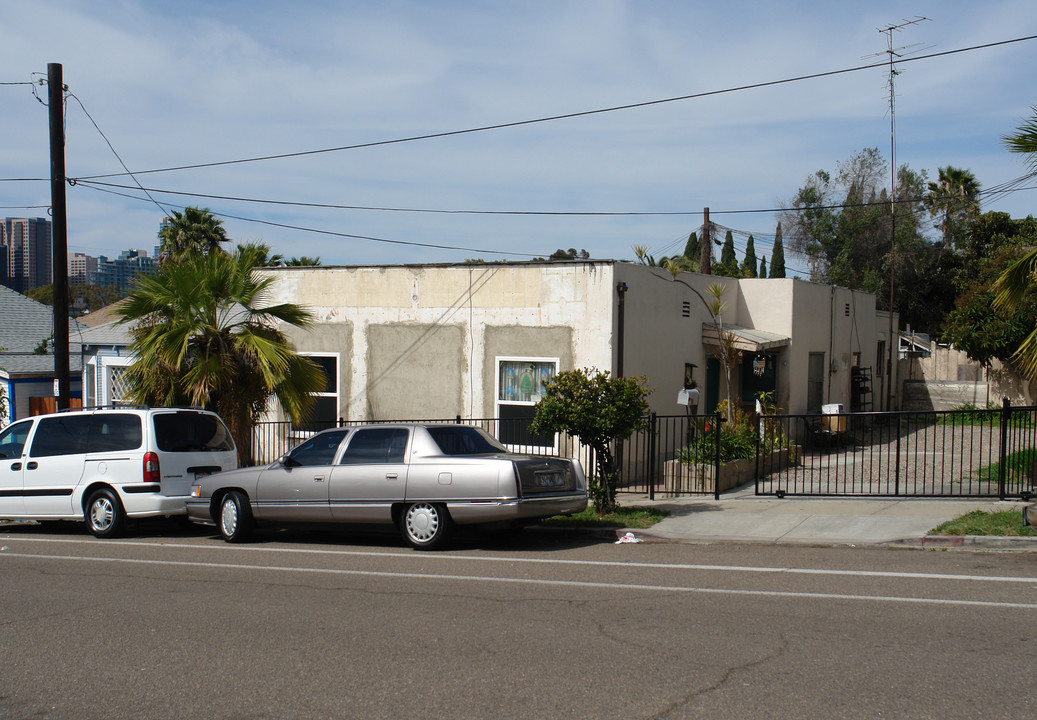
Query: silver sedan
424, 478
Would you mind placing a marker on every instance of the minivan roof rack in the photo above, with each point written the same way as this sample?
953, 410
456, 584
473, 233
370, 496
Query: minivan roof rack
111, 406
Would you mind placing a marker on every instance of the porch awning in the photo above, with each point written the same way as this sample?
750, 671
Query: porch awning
746, 339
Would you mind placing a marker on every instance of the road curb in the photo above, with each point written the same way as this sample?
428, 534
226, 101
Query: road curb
1005, 542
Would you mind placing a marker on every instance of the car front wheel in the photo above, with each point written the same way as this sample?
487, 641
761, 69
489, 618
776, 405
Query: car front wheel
104, 514
235, 518
425, 526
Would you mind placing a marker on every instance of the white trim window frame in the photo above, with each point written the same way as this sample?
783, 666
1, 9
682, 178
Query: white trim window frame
109, 365
328, 398
517, 387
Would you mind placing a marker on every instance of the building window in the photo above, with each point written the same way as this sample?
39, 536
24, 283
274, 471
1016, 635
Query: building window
324, 411
115, 385
686, 309
880, 363
520, 385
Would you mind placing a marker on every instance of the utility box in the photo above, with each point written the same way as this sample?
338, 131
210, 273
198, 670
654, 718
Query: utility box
833, 421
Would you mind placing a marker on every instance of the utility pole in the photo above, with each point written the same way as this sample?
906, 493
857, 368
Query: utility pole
706, 246
59, 234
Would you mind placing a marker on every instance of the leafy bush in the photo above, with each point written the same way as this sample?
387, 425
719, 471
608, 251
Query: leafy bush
737, 439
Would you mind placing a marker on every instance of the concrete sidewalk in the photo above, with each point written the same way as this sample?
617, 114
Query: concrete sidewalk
741, 516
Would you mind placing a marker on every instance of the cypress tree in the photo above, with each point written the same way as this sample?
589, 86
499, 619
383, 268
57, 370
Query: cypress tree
778, 256
693, 251
749, 263
728, 259
763, 267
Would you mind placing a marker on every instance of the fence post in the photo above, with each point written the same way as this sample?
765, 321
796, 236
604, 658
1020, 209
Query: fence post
896, 461
717, 419
652, 449
759, 442
1006, 413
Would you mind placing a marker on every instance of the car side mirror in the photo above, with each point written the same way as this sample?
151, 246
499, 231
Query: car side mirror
289, 462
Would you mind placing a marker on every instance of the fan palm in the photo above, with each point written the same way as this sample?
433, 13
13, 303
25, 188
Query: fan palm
1022, 275
202, 335
954, 198
193, 230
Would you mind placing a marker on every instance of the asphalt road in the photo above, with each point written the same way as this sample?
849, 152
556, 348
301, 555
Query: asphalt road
333, 625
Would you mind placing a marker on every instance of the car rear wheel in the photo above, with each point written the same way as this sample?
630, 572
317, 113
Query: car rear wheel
425, 525
104, 514
235, 518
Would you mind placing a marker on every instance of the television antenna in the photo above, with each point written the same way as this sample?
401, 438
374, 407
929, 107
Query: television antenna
894, 54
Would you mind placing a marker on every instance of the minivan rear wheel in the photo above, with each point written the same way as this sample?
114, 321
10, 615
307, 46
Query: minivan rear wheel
104, 514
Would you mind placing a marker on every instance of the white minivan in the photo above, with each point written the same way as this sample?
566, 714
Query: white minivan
106, 465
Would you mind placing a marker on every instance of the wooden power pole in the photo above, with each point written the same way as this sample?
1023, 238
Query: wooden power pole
59, 231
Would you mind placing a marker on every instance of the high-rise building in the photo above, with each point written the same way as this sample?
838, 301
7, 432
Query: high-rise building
80, 268
28, 253
121, 271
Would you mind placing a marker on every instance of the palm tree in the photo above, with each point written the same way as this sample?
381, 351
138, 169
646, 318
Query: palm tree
193, 230
1022, 275
203, 335
954, 198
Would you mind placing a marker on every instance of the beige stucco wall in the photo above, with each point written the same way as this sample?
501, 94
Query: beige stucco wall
818, 319
658, 338
422, 341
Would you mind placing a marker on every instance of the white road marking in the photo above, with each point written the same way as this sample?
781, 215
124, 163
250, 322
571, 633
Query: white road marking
410, 555
532, 581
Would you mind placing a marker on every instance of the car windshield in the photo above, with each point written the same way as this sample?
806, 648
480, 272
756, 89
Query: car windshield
462, 440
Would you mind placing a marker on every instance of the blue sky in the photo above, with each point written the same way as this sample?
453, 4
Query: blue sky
185, 83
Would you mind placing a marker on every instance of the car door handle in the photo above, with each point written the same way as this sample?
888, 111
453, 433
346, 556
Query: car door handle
16, 466
318, 478
32, 465
391, 476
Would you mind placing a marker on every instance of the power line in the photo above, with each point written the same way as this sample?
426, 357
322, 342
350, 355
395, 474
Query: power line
334, 233
565, 116
1006, 188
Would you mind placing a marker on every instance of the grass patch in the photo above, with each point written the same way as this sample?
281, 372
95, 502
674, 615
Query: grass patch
624, 517
1018, 467
980, 522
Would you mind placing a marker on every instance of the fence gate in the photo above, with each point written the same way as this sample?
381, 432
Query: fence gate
956, 453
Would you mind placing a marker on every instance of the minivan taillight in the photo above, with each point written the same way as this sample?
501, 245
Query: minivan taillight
151, 470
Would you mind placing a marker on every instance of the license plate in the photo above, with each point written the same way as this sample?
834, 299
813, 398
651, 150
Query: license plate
548, 479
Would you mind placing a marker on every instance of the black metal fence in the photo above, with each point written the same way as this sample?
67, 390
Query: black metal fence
648, 461
958, 453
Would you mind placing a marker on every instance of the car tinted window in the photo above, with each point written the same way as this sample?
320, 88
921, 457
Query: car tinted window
376, 445
60, 435
319, 449
191, 432
462, 440
12, 439
110, 432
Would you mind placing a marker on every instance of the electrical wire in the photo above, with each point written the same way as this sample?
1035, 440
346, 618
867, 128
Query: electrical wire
564, 116
334, 233
112, 148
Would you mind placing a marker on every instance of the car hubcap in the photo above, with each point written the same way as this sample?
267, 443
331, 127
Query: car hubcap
229, 517
101, 514
422, 522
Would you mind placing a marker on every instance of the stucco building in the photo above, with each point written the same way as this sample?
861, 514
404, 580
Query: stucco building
479, 339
